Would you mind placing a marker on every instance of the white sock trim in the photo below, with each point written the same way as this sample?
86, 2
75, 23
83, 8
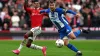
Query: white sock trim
33, 46
78, 51
20, 47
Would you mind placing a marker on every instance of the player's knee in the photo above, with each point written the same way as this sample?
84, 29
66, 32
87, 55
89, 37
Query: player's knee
25, 36
28, 45
73, 38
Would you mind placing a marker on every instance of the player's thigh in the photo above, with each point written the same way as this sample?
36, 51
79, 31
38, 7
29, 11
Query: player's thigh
69, 32
71, 35
36, 31
29, 33
62, 33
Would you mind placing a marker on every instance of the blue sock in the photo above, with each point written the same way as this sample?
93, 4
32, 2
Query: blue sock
73, 48
77, 33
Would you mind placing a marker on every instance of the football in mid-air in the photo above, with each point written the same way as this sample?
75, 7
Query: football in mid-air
59, 43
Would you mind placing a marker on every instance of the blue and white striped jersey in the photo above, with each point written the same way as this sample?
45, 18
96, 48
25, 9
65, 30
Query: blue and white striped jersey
57, 17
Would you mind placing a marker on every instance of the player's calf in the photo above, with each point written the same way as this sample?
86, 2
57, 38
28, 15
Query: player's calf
28, 34
29, 43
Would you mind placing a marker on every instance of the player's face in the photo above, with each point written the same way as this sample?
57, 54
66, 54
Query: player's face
52, 6
36, 4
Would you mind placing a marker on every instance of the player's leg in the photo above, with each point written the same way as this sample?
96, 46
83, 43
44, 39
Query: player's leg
17, 51
33, 46
78, 31
70, 46
72, 35
86, 31
26, 36
36, 31
37, 47
63, 35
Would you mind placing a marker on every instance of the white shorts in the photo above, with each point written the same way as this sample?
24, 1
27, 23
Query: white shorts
36, 31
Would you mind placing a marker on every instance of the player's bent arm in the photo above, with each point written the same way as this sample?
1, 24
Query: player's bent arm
64, 12
71, 11
26, 7
74, 13
44, 11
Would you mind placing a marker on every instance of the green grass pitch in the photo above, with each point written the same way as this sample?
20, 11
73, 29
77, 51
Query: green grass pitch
88, 47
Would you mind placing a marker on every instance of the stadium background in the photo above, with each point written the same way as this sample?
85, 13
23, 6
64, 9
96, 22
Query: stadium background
11, 34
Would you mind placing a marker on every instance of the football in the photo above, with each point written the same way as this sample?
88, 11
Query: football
59, 43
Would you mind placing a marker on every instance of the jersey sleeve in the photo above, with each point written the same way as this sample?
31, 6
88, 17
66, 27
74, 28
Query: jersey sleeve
44, 11
70, 11
61, 11
27, 9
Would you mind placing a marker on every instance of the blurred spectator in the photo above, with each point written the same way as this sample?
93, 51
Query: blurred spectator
22, 23
60, 3
1, 23
85, 13
46, 22
44, 3
19, 5
5, 27
3, 13
27, 18
6, 21
96, 18
15, 19
1, 6
4, 2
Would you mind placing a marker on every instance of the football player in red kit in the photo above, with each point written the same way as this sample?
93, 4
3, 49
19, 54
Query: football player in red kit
36, 21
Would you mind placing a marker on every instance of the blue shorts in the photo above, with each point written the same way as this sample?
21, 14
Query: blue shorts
64, 31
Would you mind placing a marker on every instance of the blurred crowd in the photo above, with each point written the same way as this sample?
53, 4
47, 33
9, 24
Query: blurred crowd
13, 15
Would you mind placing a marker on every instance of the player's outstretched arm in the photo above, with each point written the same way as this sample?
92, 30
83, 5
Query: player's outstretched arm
44, 11
26, 7
71, 11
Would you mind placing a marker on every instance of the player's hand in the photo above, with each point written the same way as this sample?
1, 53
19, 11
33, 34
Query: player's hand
78, 15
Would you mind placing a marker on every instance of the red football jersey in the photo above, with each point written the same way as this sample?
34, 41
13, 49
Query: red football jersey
35, 16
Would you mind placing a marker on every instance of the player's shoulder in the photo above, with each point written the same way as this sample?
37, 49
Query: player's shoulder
59, 8
47, 10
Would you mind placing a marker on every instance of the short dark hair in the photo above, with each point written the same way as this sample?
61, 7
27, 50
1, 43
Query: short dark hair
35, 1
51, 1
